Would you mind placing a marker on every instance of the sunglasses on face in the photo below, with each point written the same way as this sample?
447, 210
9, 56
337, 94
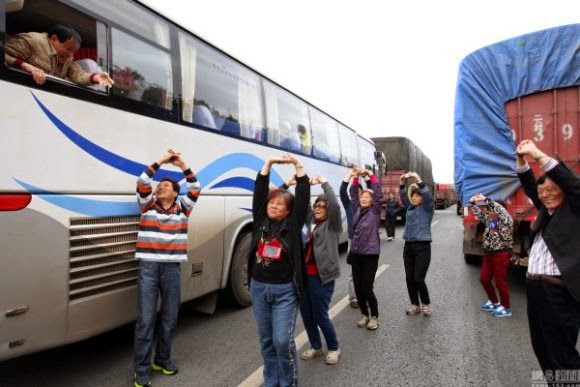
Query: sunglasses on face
318, 205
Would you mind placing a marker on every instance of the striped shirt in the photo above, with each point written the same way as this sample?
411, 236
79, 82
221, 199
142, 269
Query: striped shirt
162, 233
541, 261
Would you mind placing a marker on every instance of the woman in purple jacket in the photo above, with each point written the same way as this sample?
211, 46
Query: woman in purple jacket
365, 249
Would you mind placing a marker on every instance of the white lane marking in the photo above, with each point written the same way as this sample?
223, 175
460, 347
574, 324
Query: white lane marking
256, 378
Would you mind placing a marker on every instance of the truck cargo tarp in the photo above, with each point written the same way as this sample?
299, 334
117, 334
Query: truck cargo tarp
402, 154
485, 156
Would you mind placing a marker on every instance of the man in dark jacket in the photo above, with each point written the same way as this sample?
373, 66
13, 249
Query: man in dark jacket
553, 284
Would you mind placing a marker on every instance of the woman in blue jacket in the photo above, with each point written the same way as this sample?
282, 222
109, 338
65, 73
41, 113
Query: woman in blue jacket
365, 249
417, 236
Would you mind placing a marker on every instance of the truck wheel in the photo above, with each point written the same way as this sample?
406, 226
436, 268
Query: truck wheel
238, 290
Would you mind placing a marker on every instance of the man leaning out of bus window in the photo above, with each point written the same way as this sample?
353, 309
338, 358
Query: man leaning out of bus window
161, 247
51, 53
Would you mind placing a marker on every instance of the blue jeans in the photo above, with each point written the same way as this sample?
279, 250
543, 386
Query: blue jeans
156, 278
275, 309
314, 311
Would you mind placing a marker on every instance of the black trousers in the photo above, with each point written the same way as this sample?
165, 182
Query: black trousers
417, 257
390, 225
554, 318
364, 269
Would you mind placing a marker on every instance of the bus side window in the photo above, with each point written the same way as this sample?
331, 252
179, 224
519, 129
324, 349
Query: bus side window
325, 138
218, 93
348, 147
288, 118
141, 71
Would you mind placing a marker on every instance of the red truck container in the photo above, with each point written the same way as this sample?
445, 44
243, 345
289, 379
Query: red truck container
550, 119
444, 195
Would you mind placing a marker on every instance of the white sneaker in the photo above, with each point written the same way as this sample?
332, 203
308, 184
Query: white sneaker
390, 238
332, 357
311, 353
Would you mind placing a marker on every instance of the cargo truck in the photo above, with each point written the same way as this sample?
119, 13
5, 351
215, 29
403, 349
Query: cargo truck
402, 155
444, 195
527, 87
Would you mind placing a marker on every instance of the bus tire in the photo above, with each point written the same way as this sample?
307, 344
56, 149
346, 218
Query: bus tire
238, 290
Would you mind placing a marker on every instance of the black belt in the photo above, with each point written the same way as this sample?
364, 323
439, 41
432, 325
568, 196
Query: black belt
548, 279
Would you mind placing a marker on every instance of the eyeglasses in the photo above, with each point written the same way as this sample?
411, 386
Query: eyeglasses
318, 205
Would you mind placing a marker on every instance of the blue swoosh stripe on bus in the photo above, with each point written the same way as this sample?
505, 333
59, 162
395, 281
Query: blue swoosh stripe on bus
102, 154
204, 176
236, 160
84, 206
236, 182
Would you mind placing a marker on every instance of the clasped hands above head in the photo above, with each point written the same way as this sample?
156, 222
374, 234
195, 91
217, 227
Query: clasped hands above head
477, 198
318, 180
526, 147
410, 174
360, 172
286, 158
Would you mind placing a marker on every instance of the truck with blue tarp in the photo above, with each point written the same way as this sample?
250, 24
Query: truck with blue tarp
527, 87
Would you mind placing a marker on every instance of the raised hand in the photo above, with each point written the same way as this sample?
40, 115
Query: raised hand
477, 197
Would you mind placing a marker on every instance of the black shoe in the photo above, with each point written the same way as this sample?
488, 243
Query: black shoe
142, 379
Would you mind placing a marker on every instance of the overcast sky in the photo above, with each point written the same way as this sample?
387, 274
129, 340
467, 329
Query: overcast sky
384, 68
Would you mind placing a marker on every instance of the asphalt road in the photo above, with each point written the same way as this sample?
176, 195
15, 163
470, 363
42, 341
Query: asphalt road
457, 346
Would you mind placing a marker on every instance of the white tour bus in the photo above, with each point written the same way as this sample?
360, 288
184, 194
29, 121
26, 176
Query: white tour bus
71, 156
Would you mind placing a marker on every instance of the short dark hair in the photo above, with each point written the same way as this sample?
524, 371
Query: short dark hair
542, 179
176, 186
64, 33
321, 198
287, 196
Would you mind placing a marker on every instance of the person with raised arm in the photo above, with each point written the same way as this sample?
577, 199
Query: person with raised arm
161, 247
321, 259
366, 247
418, 201
497, 247
553, 277
276, 270
51, 53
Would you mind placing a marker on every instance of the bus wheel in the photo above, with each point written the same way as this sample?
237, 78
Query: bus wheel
238, 289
